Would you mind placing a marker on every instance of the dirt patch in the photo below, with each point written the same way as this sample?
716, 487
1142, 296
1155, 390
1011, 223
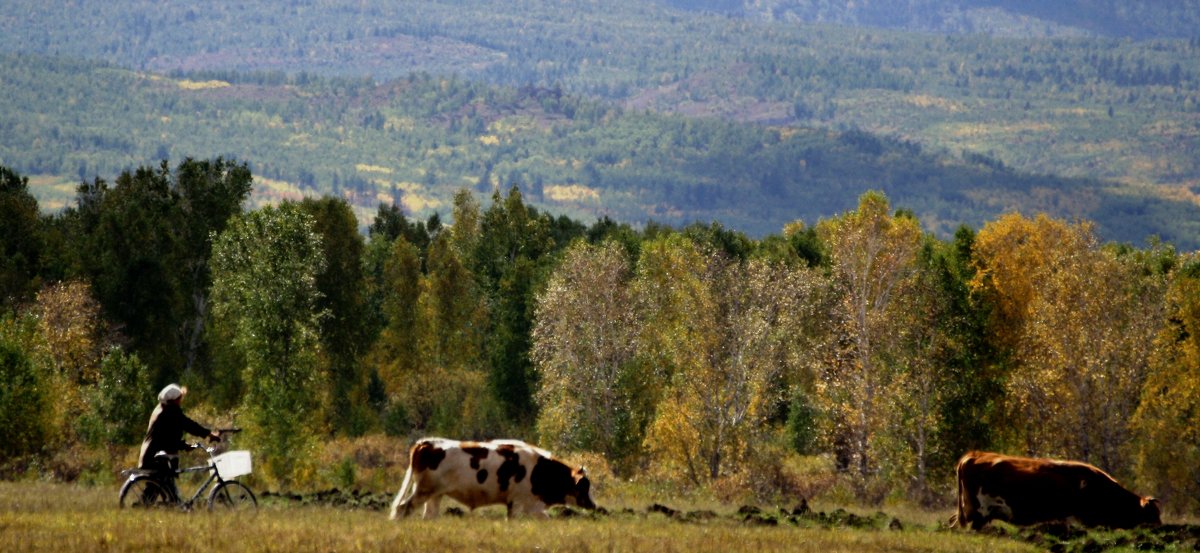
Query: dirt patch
333, 497
1056, 537
1059, 537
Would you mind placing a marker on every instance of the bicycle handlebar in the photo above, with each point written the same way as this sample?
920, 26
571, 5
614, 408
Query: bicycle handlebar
198, 445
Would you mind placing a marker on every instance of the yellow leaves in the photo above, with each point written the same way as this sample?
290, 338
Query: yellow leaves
873, 256
187, 84
1168, 419
70, 321
728, 332
674, 440
1014, 252
793, 228
1079, 322
583, 342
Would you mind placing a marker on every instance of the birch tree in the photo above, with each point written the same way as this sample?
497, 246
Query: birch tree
584, 349
1084, 356
1167, 421
872, 259
733, 337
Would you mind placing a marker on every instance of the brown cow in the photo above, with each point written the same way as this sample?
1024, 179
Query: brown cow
1026, 491
502, 472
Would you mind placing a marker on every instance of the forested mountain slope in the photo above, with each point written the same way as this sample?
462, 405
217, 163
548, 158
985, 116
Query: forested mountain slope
1116, 18
1124, 113
417, 140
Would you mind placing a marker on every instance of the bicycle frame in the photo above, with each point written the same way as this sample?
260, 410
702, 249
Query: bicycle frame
213, 476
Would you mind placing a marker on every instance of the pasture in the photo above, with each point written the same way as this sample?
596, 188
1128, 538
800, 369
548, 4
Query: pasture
39, 516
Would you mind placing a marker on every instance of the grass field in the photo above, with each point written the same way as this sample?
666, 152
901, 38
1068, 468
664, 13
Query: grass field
37, 516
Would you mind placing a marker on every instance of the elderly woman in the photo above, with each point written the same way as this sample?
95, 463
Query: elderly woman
167, 425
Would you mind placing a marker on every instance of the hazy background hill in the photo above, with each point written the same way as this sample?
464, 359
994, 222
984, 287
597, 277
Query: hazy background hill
1112, 18
607, 107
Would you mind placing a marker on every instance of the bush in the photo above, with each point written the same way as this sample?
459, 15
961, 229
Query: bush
395, 420
773, 475
119, 400
372, 461
25, 423
802, 425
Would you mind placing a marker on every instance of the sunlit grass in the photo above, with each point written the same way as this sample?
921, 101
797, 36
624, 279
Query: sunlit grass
56, 517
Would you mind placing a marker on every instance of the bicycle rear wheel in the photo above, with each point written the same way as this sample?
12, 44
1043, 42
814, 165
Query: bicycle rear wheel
232, 496
144, 493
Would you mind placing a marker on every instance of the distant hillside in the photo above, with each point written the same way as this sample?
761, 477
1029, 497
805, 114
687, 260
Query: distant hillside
1140, 19
1114, 110
1084, 107
415, 141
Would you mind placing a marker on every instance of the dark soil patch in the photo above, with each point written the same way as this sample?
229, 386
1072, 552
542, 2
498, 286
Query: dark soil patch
1060, 537
1057, 537
333, 497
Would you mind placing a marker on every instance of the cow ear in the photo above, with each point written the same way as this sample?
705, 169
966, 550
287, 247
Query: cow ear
582, 470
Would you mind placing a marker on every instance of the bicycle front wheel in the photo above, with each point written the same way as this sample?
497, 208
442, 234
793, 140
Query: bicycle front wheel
232, 496
143, 493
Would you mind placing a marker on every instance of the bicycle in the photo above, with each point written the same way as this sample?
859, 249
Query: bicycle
150, 488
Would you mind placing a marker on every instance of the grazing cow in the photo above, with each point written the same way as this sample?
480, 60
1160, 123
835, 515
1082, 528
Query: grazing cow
1026, 491
525, 478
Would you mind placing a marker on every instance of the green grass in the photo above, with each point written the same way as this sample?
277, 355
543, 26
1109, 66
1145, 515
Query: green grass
37, 516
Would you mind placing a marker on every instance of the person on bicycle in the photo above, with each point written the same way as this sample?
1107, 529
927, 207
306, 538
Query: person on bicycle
164, 435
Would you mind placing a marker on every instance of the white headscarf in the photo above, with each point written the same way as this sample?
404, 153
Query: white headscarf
171, 393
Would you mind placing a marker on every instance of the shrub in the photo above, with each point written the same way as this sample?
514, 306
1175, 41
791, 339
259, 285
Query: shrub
25, 423
119, 399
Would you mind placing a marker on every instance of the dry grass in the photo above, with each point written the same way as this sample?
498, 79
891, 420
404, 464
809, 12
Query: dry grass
37, 516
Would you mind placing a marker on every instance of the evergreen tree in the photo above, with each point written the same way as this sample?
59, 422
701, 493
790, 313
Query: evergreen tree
343, 332
20, 240
509, 256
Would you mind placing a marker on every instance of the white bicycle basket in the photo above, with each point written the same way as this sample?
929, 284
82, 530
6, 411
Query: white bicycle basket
233, 464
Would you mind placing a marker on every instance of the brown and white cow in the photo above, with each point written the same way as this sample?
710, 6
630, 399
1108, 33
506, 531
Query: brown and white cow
525, 478
1025, 491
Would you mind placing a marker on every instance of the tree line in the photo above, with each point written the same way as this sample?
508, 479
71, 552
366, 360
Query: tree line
694, 354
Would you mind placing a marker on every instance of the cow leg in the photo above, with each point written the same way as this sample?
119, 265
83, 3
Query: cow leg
405, 508
401, 503
418, 499
433, 507
401, 506
969, 511
533, 508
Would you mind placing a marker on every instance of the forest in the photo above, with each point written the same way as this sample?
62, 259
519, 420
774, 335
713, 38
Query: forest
1112, 18
635, 110
415, 141
695, 355
734, 251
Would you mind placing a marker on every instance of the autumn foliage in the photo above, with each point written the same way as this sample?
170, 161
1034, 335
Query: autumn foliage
697, 356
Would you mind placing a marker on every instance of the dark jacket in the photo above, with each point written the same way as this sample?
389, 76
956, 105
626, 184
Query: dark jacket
165, 433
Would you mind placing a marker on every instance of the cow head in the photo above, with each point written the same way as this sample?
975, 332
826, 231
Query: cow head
581, 492
1151, 512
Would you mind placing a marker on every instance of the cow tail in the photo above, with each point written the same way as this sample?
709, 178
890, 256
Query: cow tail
956, 520
400, 499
